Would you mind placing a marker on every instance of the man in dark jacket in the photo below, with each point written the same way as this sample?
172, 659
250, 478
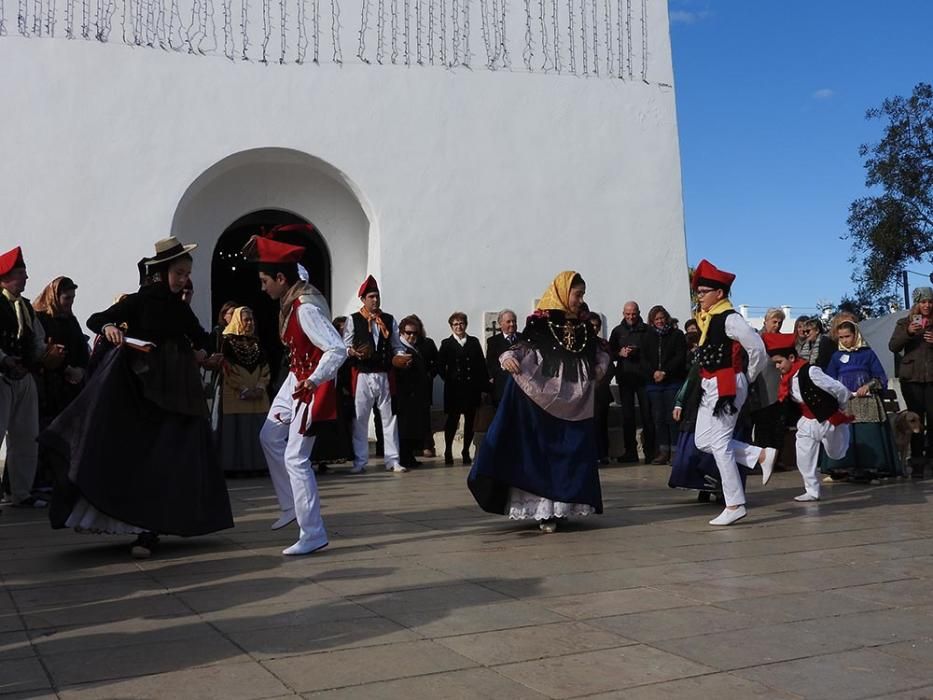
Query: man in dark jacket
507, 336
625, 345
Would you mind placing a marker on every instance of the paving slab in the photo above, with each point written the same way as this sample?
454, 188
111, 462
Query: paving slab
421, 595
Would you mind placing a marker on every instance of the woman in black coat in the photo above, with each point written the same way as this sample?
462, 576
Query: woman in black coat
412, 406
664, 362
462, 366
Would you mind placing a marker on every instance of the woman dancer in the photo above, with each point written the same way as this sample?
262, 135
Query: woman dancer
539, 459
133, 453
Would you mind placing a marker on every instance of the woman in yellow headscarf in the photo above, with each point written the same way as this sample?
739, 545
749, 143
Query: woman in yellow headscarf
244, 400
538, 460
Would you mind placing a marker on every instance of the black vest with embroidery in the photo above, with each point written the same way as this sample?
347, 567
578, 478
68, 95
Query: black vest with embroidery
716, 352
24, 347
380, 359
821, 403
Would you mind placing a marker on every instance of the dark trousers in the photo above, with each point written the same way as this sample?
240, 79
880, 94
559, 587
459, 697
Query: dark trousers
627, 395
919, 398
666, 430
601, 416
406, 451
450, 429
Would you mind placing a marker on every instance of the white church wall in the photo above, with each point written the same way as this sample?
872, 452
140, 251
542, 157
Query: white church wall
472, 188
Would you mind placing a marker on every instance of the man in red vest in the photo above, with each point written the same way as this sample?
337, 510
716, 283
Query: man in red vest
307, 395
725, 379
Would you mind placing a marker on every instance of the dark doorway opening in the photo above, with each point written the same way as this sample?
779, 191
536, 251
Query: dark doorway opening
233, 279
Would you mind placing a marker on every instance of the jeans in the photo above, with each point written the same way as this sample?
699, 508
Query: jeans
661, 398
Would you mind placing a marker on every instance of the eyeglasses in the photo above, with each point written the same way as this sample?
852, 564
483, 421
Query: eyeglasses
409, 332
703, 292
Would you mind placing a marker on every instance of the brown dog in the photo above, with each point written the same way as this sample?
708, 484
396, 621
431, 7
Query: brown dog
906, 423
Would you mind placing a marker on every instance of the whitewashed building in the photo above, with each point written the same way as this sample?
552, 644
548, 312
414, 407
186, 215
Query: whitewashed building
462, 151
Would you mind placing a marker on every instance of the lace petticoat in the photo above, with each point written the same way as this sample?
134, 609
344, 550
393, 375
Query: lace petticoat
86, 519
528, 506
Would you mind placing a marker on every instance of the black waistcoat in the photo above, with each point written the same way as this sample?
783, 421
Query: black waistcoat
821, 403
24, 347
380, 359
716, 352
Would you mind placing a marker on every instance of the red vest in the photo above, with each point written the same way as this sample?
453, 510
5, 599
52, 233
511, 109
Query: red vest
304, 357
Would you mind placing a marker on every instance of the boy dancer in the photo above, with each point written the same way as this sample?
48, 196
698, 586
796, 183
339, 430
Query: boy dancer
821, 399
307, 395
724, 336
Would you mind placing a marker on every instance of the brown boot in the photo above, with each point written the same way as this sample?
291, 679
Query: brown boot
662, 457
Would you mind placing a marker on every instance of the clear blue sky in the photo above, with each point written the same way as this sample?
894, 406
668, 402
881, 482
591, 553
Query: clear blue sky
771, 100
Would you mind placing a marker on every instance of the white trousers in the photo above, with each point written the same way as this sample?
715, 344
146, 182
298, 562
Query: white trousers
288, 455
810, 435
714, 435
19, 425
372, 389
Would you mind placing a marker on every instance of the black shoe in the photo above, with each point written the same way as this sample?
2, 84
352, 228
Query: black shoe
628, 458
467, 461
144, 545
448, 458
604, 460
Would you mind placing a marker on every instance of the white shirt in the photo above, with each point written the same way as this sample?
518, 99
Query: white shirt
737, 329
322, 333
824, 382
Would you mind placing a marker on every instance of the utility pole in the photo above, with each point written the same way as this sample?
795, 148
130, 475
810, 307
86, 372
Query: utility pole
906, 290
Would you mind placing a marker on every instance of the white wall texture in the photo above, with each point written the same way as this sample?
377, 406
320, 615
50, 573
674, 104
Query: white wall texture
457, 188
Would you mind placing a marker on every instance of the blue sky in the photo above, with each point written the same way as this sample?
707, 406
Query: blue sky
771, 100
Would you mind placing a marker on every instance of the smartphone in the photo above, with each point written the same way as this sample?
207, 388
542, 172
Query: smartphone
918, 319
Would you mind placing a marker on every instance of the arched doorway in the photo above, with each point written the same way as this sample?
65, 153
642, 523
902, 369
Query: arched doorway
232, 279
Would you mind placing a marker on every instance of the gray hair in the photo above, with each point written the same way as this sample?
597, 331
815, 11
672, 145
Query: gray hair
503, 313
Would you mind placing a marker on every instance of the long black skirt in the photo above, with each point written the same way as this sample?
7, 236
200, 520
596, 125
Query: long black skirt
134, 460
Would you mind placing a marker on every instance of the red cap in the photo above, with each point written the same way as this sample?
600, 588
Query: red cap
708, 274
369, 285
10, 260
265, 250
780, 343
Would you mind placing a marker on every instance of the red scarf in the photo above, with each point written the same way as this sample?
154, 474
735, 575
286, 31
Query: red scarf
787, 379
375, 316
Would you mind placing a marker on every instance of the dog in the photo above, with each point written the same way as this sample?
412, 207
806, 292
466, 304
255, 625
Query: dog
905, 424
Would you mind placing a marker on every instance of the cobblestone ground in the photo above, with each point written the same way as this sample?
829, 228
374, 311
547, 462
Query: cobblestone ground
420, 595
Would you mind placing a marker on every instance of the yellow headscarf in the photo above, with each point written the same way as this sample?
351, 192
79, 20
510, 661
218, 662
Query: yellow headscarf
236, 325
704, 317
557, 296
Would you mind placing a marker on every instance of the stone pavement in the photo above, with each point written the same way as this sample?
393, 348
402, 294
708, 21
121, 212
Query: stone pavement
420, 595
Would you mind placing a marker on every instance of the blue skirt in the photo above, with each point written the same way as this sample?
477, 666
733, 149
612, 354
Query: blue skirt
694, 469
529, 449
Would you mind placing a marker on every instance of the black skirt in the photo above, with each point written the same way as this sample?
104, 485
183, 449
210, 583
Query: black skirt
132, 458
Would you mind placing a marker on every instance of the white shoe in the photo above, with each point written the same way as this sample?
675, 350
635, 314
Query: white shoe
727, 517
806, 498
548, 526
397, 468
304, 548
286, 518
767, 464
359, 470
